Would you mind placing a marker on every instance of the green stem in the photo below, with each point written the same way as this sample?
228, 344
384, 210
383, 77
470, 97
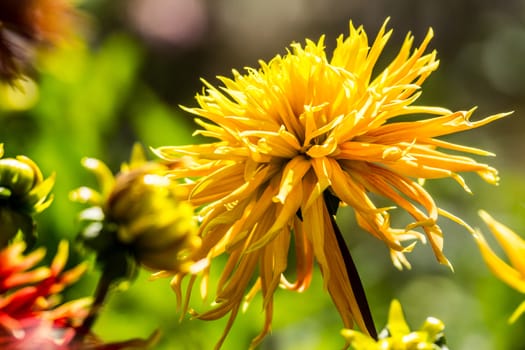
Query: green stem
101, 293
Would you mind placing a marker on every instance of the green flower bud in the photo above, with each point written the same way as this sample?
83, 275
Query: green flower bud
152, 218
138, 213
23, 193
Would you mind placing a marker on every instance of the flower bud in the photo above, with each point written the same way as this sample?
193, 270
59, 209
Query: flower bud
140, 213
23, 193
152, 218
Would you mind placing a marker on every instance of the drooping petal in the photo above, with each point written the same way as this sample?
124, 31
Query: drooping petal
500, 268
319, 231
512, 244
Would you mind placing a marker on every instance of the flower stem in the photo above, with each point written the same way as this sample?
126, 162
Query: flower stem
101, 293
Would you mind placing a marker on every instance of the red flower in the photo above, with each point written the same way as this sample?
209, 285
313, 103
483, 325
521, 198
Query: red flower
30, 309
31, 313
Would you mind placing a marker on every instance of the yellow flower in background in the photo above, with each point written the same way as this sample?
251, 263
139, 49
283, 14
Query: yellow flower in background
302, 135
398, 336
513, 245
23, 193
139, 213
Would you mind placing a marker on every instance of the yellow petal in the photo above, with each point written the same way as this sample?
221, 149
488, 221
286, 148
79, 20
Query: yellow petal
517, 313
292, 175
501, 269
284, 218
102, 172
512, 244
397, 325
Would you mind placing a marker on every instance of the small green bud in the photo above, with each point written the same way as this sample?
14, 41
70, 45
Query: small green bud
23, 193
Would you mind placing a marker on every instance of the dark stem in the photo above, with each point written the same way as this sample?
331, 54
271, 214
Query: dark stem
351, 271
101, 293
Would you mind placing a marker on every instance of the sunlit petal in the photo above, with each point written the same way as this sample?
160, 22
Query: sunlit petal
302, 135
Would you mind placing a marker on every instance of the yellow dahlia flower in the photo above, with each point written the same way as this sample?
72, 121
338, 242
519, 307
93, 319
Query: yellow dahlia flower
302, 135
513, 245
398, 336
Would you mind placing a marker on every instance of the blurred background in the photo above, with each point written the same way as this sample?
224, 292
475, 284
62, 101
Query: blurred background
140, 59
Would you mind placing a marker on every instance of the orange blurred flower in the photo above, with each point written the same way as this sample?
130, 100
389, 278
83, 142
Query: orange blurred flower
25, 24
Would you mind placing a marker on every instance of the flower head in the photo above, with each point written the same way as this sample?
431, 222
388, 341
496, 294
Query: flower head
23, 193
30, 298
305, 127
513, 245
398, 336
139, 213
32, 314
28, 23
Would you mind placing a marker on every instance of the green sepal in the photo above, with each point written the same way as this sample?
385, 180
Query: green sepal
13, 222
